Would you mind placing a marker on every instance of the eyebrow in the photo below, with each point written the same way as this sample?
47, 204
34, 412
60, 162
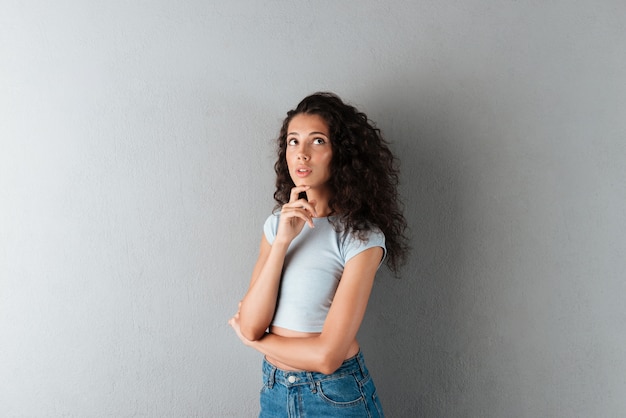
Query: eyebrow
310, 134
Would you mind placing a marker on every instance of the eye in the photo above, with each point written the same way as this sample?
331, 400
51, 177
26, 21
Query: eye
292, 141
319, 141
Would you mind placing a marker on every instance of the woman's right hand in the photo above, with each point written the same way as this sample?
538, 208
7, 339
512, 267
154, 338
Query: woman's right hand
295, 214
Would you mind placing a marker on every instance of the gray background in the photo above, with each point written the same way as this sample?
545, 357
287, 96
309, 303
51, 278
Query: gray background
136, 171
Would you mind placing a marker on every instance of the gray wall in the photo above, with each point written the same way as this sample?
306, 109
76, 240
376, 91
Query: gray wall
136, 171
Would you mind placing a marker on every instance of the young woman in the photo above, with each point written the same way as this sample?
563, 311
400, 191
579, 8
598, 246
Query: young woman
339, 220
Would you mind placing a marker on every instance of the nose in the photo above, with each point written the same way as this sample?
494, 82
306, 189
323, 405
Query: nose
303, 154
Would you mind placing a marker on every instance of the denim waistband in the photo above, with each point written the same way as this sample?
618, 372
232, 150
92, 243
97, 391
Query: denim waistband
272, 374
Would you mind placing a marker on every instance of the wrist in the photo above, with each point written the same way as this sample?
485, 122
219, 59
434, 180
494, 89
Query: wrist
281, 243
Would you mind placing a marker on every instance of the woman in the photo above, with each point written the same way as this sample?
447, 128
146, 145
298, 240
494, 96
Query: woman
339, 219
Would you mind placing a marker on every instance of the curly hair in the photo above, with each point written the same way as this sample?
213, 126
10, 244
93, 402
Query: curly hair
364, 174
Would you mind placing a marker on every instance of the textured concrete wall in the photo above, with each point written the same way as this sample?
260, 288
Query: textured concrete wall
135, 173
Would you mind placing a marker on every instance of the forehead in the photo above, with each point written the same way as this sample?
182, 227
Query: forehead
304, 123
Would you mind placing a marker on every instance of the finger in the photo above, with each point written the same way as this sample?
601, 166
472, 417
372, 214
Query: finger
295, 193
307, 206
290, 211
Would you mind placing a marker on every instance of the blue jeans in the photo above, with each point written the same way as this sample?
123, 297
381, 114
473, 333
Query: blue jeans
349, 392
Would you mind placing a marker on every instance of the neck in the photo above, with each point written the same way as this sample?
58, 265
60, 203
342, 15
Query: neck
321, 198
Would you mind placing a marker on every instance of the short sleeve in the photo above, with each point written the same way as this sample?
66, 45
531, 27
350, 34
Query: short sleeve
354, 246
271, 227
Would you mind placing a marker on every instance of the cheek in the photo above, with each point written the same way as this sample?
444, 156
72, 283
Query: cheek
329, 160
288, 158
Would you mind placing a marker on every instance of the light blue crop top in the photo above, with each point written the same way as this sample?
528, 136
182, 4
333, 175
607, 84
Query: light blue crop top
313, 267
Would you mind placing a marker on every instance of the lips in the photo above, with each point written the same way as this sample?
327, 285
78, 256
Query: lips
303, 171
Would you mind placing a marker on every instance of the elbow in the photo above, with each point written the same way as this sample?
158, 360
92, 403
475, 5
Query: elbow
252, 335
252, 332
329, 362
329, 369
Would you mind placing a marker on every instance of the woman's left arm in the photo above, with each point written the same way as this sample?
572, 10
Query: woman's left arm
325, 352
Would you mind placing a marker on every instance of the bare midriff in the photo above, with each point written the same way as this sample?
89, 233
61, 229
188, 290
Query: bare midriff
288, 333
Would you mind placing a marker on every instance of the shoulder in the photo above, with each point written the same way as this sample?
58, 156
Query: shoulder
270, 227
369, 233
355, 242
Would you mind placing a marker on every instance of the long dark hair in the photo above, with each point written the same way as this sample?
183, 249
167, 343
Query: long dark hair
364, 174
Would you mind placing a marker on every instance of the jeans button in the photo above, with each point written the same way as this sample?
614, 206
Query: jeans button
291, 379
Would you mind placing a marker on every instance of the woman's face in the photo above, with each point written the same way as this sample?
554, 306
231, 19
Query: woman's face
309, 151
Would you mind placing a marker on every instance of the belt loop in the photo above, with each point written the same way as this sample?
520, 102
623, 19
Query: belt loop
312, 382
271, 374
272, 377
361, 361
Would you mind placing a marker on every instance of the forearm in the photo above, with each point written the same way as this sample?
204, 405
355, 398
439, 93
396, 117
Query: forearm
315, 353
258, 305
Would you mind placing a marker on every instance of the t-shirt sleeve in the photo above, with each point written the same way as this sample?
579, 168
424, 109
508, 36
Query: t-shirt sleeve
354, 245
271, 227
